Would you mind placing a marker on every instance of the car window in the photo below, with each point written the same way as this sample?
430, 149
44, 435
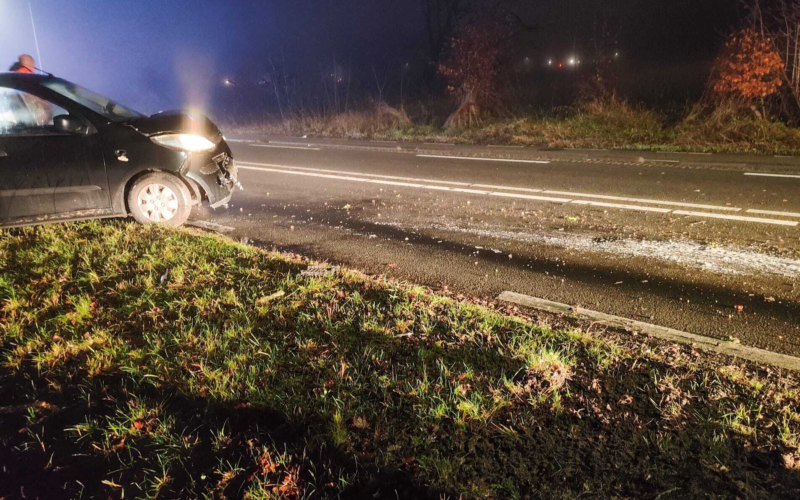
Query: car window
22, 113
102, 105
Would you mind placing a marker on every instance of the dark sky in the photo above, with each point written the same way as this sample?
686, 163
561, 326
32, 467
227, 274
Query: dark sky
158, 54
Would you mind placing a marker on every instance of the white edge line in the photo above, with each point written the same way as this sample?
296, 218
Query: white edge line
507, 188
472, 158
737, 218
771, 212
345, 172
625, 207
756, 174
753, 354
640, 200
416, 184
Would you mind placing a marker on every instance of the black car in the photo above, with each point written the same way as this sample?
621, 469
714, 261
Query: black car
67, 153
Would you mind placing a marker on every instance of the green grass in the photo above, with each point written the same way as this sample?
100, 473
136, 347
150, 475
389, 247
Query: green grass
144, 362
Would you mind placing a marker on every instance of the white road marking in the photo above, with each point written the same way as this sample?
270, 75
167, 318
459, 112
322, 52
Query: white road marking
284, 147
482, 159
622, 207
512, 188
755, 174
529, 197
664, 161
737, 218
772, 212
239, 140
465, 188
508, 188
639, 200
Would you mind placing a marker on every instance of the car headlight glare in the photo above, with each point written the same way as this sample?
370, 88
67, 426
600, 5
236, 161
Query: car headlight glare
184, 142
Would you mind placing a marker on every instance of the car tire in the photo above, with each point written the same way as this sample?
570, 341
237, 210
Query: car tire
159, 198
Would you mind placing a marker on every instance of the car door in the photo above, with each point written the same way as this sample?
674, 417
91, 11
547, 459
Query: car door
47, 172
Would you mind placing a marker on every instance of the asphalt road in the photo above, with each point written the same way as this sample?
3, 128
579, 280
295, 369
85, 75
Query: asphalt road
704, 244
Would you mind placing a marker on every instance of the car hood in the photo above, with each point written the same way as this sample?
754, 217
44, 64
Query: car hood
177, 122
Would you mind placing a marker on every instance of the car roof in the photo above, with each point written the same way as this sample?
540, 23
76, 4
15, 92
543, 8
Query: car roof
11, 77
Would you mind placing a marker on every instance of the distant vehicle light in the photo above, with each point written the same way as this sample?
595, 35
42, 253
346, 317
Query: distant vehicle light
184, 142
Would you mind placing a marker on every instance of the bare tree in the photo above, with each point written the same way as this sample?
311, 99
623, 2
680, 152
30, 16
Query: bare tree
441, 17
380, 84
273, 76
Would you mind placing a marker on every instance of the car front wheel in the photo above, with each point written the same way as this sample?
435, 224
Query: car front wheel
159, 198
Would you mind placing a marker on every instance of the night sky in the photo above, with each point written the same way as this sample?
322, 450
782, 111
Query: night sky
156, 54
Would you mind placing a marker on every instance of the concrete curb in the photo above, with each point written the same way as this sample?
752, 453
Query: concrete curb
708, 344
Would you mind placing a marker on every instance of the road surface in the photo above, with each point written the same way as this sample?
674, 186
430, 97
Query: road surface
704, 244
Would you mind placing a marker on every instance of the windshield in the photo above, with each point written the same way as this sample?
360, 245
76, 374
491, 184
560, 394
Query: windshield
97, 103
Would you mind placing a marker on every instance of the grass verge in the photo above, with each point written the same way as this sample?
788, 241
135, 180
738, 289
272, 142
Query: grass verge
607, 125
156, 363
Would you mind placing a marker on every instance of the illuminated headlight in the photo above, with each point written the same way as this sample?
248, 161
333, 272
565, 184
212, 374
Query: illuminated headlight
184, 142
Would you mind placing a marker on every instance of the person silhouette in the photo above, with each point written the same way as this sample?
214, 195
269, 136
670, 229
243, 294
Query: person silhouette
25, 64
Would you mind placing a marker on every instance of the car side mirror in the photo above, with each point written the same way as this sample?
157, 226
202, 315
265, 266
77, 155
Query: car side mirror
70, 124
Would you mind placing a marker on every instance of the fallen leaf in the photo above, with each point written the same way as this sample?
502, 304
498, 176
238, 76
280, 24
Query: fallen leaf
360, 423
265, 300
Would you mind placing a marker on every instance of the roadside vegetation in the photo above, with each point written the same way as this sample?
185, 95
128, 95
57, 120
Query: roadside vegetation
483, 91
146, 362
613, 124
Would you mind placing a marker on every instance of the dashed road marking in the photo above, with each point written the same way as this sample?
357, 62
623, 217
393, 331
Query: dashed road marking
467, 188
773, 212
787, 176
473, 158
